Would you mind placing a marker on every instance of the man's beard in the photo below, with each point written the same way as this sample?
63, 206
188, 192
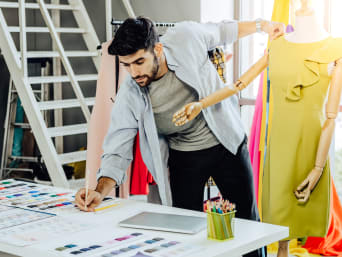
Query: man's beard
154, 72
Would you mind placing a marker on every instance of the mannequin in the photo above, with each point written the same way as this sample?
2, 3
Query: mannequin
306, 18
307, 31
100, 117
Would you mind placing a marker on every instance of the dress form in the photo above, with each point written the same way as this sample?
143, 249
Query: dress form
307, 28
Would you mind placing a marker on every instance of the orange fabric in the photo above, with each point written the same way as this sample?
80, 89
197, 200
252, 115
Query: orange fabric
331, 245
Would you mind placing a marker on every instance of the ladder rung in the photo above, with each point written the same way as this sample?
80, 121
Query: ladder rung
46, 30
47, 54
25, 158
18, 169
34, 91
61, 104
56, 79
68, 130
4, 4
22, 125
72, 157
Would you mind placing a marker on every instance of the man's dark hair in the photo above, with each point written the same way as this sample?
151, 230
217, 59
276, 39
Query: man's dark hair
133, 35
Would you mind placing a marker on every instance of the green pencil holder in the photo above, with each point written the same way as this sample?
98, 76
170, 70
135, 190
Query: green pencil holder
220, 226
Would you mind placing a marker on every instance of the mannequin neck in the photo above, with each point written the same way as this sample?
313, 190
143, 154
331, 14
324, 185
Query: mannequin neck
307, 30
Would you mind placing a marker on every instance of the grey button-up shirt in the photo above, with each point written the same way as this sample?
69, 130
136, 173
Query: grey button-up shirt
186, 49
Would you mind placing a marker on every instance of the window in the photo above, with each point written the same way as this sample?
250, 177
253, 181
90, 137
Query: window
216, 11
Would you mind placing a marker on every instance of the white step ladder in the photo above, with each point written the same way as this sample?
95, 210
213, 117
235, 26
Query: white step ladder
17, 65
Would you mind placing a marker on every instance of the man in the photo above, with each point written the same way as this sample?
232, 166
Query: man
165, 75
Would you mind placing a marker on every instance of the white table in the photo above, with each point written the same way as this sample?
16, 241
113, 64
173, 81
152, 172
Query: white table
249, 235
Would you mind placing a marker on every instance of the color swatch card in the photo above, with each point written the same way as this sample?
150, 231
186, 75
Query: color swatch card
126, 245
11, 186
155, 247
12, 216
44, 198
32, 195
145, 247
82, 248
35, 198
36, 232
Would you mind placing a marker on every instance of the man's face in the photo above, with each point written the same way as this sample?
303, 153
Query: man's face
143, 66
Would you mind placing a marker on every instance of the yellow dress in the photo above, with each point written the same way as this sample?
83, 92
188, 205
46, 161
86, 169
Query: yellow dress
300, 81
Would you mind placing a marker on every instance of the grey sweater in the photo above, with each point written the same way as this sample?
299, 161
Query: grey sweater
168, 95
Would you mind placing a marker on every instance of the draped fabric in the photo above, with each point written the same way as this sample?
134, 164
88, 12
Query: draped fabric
141, 177
100, 117
254, 139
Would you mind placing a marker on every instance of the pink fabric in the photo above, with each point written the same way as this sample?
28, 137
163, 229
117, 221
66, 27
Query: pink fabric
100, 117
254, 139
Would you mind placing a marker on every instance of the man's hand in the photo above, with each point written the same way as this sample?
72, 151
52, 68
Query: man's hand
273, 29
304, 190
94, 199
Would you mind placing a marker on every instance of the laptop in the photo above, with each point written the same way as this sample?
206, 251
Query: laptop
166, 222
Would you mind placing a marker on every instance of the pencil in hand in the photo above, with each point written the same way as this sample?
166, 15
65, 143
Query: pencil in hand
86, 189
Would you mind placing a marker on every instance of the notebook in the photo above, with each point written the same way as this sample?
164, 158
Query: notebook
166, 222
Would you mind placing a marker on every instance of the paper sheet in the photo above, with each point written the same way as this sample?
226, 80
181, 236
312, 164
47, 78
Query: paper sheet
36, 232
12, 216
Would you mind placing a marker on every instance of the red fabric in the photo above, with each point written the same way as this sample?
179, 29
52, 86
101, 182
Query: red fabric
141, 177
331, 245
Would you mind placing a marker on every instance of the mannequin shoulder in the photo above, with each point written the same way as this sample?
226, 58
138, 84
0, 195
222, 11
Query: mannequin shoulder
334, 48
276, 43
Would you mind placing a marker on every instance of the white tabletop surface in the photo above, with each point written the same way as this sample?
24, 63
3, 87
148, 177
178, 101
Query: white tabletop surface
249, 235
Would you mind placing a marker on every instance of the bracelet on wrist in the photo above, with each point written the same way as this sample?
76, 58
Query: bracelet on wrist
258, 25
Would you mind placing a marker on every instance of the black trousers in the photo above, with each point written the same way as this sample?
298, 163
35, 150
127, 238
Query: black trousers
189, 171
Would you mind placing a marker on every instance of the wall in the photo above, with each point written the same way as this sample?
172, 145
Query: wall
161, 10
216, 10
